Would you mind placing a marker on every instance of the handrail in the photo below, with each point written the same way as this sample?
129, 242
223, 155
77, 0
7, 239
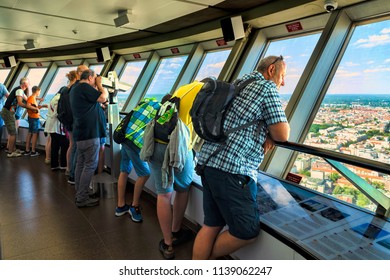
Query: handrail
335, 159
345, 158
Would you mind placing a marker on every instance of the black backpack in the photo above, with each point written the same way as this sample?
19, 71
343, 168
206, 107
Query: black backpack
166, 119
210, 106
64, 110
119, 134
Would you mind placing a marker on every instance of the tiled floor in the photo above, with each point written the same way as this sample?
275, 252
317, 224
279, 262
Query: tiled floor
39, 220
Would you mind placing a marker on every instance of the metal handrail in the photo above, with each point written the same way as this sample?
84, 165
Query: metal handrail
334, 159
345, 158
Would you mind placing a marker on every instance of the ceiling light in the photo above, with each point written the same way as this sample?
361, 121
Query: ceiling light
124, 17
30, 44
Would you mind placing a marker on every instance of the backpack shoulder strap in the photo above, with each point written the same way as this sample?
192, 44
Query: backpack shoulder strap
240, 85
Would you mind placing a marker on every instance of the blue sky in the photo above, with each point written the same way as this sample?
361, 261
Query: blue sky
364, 68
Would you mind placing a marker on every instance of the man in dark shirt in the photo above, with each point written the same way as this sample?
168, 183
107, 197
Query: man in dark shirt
88, 128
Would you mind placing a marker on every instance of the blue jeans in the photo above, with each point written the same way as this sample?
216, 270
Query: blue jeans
87, 161
72, 158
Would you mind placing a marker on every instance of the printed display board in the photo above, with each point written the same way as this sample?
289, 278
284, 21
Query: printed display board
326, 228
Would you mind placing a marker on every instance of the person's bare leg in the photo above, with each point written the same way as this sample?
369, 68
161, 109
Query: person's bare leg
204, 242
164, 214
11, 143
226, 244
34, 140
122, 181
139, 184
179, 207
28, 140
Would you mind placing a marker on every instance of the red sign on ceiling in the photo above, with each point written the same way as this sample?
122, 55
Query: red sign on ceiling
295, 26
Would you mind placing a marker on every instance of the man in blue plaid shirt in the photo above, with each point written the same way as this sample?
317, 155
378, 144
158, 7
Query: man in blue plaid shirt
141, 116
232, 201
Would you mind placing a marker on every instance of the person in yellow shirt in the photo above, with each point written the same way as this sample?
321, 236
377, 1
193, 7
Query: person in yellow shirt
33, 122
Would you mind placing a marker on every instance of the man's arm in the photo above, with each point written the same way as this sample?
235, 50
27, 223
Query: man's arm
279, 131
27, 106
104, 93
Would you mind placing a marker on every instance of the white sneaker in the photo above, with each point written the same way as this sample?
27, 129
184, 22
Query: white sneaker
14, 154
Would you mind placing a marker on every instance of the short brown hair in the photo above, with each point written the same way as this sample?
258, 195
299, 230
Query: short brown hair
35, 89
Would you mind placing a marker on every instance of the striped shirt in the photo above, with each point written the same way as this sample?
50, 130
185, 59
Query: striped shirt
142, 115
244, 151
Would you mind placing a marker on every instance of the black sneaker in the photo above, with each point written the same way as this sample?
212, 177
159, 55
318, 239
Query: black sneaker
71, 181
182, 236
166, 250
89, 202
26, 153
34, 154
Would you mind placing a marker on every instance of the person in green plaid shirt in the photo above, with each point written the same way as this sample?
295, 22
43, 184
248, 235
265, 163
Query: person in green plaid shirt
141, 116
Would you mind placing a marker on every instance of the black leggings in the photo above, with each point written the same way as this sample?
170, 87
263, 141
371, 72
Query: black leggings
58, 142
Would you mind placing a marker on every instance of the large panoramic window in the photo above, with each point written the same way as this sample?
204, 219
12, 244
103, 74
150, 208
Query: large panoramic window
212, 64
130, 76
354, 117
4, 74
296, 52
165, 77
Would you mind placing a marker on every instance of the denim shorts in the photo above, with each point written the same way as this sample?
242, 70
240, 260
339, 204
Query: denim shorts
33, 125
182, 179
231, 201
130, 157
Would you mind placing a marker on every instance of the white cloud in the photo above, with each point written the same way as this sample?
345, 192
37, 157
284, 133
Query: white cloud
387, 60
351, 64
175, 65
376, 70
371, 62
385, 30
345, 73
218, 65
373, 41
